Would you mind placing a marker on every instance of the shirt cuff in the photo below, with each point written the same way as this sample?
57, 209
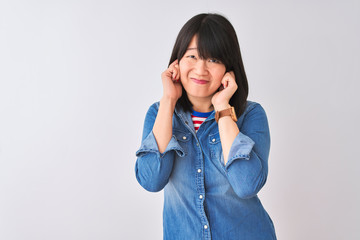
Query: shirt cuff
240, 149
149, 145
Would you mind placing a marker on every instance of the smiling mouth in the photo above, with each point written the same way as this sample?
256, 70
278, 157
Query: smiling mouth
199, 81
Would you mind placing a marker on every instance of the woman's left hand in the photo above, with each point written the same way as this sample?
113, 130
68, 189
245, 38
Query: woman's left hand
221, 99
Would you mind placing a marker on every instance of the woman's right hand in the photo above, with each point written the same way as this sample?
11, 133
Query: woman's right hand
172, 88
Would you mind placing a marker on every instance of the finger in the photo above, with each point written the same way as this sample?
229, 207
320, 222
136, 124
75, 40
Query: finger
175, 71
227, 82
229, 78
167, 75
174, 74
224, 80
177, 76
173, 63
231, 81
232, 74
221, 87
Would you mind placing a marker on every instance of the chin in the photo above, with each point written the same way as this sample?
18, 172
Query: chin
200, 94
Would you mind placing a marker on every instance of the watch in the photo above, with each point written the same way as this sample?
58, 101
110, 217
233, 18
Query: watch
226, 112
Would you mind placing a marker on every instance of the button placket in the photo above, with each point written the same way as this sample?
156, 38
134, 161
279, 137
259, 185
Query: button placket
199, 168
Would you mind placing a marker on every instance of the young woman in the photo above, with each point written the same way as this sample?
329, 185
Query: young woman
204, 143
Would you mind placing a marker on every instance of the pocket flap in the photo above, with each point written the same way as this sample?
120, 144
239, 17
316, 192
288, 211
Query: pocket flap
214, 138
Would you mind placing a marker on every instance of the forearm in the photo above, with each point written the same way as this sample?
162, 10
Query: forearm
163, 123
228, 131
247, 160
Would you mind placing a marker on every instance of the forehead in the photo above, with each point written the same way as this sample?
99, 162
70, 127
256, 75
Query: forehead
193, 44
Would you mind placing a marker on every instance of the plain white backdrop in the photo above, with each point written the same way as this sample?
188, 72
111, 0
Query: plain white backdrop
77, 77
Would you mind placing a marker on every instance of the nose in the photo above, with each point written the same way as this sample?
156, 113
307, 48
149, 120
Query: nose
201, 67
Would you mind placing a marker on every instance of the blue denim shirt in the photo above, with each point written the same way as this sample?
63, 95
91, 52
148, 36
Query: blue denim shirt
203, 198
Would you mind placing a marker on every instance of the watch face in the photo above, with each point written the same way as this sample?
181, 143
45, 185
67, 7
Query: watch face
233, 114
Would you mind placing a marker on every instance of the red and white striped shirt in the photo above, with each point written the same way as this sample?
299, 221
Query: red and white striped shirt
198, 118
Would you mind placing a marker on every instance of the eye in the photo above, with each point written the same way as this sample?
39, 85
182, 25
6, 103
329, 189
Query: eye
213, 60
191, 56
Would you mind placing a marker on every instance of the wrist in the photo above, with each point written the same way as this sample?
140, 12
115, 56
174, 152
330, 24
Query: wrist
220, 107
168, 102
225, 113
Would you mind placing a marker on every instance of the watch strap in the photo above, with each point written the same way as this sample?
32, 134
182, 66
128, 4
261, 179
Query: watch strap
226, 112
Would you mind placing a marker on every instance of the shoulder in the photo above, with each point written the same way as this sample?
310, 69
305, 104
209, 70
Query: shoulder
155, 105
253, 107
151, 113
253, 112
154, 108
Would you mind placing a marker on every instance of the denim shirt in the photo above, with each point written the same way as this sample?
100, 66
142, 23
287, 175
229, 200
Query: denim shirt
203, 198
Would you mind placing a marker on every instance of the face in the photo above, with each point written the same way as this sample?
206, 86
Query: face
201, 78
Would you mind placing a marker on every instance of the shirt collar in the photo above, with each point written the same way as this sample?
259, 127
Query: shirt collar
186, 116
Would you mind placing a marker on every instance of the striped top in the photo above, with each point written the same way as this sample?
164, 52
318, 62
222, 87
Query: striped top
198, 118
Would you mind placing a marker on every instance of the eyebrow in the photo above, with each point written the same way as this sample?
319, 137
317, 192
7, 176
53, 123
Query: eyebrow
192, 48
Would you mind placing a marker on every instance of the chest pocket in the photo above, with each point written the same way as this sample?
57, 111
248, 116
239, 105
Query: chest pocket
183, 139
215, 148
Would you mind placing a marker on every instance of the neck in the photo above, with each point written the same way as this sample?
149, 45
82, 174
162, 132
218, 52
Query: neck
201, 104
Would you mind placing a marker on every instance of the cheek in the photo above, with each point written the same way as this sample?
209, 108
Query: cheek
217, 85
183, 68
218, 76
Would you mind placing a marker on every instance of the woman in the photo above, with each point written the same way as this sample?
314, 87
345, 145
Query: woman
204, 143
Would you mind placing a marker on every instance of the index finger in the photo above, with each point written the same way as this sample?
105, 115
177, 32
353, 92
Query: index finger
231, 74
174, 63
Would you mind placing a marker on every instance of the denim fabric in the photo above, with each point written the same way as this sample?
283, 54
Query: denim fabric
203, 198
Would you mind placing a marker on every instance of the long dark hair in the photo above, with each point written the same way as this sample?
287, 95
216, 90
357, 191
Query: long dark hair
216, 38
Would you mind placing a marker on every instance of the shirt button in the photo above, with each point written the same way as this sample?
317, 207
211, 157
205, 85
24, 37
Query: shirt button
184, 137
205, 226
197, 144
201, 196
199, 170
213, 140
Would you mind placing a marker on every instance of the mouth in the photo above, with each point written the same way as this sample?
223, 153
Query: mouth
199, 81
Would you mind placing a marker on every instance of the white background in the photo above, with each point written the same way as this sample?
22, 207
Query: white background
77, 77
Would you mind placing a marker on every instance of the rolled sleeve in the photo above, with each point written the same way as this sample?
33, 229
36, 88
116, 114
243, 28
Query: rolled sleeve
247, 166
240, 149
149, 145
153, 168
